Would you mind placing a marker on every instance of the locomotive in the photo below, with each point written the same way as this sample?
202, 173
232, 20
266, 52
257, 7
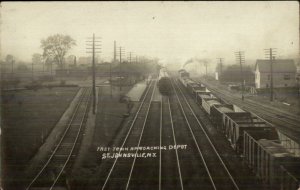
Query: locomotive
164, 83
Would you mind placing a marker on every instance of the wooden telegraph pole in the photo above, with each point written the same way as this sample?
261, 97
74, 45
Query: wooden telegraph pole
121, 51
240, 58
92, 45
270, 54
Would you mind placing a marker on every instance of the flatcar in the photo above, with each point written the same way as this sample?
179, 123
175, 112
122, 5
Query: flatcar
164, 83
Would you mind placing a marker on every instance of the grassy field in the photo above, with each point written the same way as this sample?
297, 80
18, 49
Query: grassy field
27, 118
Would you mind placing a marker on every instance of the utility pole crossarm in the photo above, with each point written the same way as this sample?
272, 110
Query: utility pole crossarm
240, 57
93, 46
270, 54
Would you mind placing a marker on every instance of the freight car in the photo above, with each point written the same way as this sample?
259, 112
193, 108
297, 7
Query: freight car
164, 83
265, 157
218, 111
183, 73
255, 140
289, 176
204, 96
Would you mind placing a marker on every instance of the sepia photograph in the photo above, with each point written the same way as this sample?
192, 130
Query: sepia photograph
150, 95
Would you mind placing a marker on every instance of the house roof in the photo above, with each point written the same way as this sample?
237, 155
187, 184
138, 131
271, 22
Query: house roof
279, 65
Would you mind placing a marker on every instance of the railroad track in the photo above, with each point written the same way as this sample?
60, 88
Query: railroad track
288, 123
120, 170
212, 163
51, 173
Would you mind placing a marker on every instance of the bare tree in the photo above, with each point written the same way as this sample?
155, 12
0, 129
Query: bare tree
37, 59
56, 47
9, 58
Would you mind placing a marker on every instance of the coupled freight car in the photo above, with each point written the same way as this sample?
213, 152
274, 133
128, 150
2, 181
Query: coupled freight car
266, 158
254, 139
183, 73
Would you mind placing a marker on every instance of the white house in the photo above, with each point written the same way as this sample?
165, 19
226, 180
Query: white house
284, 73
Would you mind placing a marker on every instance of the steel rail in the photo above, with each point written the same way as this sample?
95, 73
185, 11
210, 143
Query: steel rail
74, 144
175, 143
206, 135
129, 131
195, 141
160, 140
290, 119
141, 135
58, 145
292, 127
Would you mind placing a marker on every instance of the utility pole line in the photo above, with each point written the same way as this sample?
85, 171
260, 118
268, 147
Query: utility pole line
221, 67
110, 80
51, 68
75, 60
221, 64
32, 77
130, 57
240, 57
270, 54
121, 50
115, 51
12, 66
93, 46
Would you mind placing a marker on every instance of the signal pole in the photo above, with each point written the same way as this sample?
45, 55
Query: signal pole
93, 46
270, 54
240, 57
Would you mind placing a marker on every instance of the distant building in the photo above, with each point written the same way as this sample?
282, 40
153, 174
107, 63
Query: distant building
86, 60
284, 73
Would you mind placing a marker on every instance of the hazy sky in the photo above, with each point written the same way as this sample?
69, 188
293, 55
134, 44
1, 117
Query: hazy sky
167, 30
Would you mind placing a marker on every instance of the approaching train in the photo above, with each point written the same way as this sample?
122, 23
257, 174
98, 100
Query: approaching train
164, 83
251, 137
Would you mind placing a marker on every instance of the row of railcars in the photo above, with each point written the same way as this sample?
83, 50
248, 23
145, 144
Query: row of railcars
250, 136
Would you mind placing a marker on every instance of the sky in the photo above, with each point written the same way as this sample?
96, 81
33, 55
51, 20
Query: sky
170, 31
